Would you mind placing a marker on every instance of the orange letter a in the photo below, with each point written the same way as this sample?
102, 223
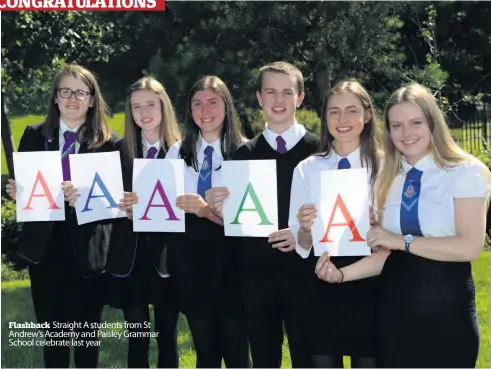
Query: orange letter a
339, 203
40, 179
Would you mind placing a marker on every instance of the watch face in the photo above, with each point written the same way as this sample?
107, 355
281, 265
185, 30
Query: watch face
408, 238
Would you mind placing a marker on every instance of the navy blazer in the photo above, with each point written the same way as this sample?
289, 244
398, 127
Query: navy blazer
91, 240
124, 241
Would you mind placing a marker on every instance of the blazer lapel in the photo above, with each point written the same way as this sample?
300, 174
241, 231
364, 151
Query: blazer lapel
139, 147
161, 154
83, 148
54, 144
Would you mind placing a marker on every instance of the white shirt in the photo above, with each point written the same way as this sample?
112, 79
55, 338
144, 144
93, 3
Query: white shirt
191, 176
61, 138
146, 146
291, 136
308, 172
438, 190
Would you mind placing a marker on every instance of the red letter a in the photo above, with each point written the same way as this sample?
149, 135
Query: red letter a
40, 179
339, 203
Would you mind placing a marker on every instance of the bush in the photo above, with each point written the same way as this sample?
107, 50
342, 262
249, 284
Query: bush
10, 234
487, 241
11, 272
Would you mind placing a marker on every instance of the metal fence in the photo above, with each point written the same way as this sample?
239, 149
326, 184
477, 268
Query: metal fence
476, 127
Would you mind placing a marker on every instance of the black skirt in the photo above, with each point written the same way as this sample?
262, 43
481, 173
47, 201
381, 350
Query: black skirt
339, 319
426, 314
206, 268
144, 285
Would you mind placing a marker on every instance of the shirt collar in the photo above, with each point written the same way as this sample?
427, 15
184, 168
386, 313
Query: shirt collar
422, 164
147, 145
353, 158
202, 144
64, 128
291, 136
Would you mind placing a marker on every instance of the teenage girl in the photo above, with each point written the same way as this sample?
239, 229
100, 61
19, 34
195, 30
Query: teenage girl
66, 259
201, 258
431, 198
138, 260
346, 311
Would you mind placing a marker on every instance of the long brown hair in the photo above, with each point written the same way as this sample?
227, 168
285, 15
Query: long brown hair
444, 151
369, 148
231, 135
94, 131
169, 132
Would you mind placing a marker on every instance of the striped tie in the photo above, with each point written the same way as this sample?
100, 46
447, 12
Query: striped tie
409, 219
204, 180
68, 148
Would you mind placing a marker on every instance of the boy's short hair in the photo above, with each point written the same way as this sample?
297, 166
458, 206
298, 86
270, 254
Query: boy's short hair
285, 68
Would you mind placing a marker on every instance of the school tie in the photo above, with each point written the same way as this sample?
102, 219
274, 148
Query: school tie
280, 145
344, 164
204, 180
68, 148
151, 152
409, 203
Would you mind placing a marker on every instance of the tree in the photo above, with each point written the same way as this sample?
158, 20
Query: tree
328, 41
33, 46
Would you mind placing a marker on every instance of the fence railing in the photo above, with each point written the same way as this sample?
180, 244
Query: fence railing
475, 132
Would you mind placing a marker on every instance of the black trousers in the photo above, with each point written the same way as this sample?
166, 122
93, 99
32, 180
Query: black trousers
270, 309
166, 316
61, 295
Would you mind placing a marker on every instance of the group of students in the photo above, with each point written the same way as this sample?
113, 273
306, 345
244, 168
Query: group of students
411, 303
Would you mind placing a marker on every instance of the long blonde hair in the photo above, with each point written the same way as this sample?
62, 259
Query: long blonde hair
169, 132
445, 152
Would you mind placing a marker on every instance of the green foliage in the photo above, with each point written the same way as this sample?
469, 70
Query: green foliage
10, 232
310, 120
10, 272
34, 44
487, 241
485, 157
10, 228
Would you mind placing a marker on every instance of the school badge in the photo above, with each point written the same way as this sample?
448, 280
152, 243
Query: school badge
410, 192
205, 165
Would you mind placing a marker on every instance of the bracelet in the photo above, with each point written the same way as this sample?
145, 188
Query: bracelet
342, 276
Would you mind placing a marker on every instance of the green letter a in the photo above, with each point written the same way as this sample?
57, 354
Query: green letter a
257, 206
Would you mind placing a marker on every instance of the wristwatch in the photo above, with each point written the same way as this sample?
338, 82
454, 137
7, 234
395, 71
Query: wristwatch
408, 239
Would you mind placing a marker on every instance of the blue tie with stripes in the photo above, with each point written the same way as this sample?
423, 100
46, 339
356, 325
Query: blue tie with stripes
204, 180
409, 203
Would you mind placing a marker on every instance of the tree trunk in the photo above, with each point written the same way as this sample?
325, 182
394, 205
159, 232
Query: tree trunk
7, 139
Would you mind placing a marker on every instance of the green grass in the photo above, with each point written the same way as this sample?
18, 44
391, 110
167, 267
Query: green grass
17, 306
19, 124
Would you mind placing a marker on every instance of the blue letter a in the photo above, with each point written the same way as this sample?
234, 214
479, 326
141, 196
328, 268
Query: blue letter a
105, 194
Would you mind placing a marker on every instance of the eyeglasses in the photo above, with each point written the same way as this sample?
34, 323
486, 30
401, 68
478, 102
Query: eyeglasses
66, 93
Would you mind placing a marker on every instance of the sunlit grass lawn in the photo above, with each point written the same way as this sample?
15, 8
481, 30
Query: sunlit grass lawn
19, 124
17, 307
